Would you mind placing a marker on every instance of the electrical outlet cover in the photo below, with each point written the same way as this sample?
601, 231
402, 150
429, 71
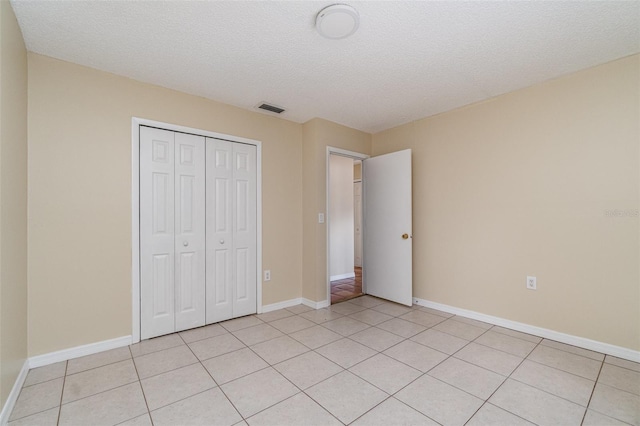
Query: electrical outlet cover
531, 283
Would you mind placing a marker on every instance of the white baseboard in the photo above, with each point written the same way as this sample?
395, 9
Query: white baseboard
342, 276
281, 305
582, 342
294, 302
78, 351
315, 305
13, 395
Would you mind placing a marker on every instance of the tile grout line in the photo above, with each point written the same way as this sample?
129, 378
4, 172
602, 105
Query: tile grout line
248, 374
552, 394
16, 403
304, 391
560, 369
296, 386
519, 338
422, 374
212, 378
592, 392
619, 390
486, 401
462, 390
95, 368
451, 334
262, 369
392, 346
618, 366
156, 351
389, 395
474, 365
92, 395
41, 411
64, 380
503, 351
44, 381
141, 388
573, 353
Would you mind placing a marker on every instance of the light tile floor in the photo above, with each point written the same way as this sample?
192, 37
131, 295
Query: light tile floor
361, 362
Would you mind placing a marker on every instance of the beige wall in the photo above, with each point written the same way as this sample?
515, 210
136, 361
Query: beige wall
13, 200
357, 171
520, 185
80, 196
317, 135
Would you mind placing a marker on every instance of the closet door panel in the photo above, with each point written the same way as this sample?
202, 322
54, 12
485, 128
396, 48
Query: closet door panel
244, 228
189, 231
219, 233
157, 257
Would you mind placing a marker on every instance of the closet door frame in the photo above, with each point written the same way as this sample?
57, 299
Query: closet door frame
135, 209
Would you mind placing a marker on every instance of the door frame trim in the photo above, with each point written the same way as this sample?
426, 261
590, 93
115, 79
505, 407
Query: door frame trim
356, 156
135, 209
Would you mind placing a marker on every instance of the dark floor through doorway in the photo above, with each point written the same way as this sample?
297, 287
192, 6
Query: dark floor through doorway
348, 288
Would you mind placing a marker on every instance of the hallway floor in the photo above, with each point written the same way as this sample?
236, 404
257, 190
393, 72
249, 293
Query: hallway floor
348, 288
362, 362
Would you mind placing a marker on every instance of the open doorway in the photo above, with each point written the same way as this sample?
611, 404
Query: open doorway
345, 257
387, 270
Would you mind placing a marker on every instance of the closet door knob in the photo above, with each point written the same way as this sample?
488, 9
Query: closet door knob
221, 241
186, 243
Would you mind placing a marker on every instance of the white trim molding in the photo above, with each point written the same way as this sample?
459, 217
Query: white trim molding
78, 351
281, 305
315, 305
51, 358
331, 150
342, 276
293, 302
135, 209
13, 395
582, 342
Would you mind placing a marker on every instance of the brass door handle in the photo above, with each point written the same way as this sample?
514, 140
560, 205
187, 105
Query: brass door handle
405, 236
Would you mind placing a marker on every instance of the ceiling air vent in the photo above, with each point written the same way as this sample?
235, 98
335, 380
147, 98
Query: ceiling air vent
270, 108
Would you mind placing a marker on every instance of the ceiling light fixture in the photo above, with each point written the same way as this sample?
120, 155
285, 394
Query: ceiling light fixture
337, 21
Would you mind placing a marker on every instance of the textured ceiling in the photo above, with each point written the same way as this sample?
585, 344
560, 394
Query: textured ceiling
408, 60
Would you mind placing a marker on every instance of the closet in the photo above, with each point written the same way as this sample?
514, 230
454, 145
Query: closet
231, 230
197, 231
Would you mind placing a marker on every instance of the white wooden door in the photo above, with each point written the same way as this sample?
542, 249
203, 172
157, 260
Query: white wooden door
157, 254
231, 229
172, 263
387, 227
357, 223
244, 229
189, 231
219, 230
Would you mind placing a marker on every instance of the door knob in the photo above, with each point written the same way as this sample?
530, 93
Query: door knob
186, 243
405, 236
221, 241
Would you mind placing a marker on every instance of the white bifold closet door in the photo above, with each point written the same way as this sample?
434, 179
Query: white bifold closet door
172, 231
231, 224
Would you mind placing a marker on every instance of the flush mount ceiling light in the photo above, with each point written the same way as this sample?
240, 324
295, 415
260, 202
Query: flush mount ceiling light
337, 21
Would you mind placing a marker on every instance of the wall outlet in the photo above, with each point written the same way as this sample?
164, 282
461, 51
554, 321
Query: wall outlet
320, 217
531, 283
267, 275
